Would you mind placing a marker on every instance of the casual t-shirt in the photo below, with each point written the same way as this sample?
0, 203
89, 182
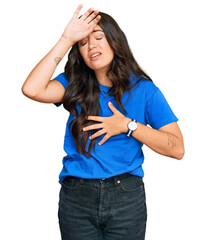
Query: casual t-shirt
119, 154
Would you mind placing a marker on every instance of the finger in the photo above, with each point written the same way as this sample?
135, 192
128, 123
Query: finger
76, 13
95, 118
94, 126
92, 16
97, 134
84, 16
95, 21
112, 107
104, 139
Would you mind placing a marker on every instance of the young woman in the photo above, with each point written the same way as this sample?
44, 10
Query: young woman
111, 100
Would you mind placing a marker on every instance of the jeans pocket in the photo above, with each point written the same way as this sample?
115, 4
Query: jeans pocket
70, 183
131, 184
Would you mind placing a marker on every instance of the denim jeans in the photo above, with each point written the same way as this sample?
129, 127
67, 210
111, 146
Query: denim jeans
97, 209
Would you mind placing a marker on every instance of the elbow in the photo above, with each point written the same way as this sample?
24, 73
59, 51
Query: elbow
180, 156
27, 92
180, 153
23, 90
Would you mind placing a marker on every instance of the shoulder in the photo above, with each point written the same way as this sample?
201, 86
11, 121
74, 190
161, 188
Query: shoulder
62, 79
60, 76
143, 85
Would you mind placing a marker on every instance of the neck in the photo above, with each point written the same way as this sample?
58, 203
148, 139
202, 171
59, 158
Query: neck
103, 79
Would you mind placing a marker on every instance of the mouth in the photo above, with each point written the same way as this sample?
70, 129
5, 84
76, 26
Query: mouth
95, 56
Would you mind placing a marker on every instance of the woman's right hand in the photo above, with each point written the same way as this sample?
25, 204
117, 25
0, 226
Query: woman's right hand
79, 28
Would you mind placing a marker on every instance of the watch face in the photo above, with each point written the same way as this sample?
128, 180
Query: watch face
132, 126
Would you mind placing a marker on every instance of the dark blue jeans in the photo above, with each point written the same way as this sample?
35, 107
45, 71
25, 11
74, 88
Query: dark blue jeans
97, 209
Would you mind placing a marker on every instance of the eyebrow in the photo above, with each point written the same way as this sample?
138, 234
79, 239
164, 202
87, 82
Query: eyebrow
97, 31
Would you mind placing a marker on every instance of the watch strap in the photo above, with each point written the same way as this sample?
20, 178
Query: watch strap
130, 131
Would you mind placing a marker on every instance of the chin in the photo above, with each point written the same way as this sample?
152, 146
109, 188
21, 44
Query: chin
100, 67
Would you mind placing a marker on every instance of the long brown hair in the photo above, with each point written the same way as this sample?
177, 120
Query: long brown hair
83, 87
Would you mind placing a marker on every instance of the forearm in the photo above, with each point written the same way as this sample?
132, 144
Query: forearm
164, 143
40, 76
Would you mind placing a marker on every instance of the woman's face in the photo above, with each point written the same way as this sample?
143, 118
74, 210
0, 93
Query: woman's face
96, 51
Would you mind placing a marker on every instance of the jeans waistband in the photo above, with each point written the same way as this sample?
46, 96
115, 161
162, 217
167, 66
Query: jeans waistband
116, 179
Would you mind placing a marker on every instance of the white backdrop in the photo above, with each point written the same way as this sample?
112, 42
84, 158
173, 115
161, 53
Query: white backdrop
168, 40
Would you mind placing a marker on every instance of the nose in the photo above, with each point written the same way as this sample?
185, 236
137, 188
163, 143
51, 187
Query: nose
91, 44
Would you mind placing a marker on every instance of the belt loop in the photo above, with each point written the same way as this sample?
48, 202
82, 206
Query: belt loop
81, 181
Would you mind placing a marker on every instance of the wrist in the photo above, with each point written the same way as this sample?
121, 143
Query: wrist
125, 125
67, 42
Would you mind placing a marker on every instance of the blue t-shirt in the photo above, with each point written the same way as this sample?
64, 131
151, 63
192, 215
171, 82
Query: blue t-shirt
119, 154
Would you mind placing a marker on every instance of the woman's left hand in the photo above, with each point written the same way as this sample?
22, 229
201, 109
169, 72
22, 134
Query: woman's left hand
113, 125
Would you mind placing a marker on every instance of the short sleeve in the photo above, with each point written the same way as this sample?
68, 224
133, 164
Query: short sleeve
62, 79
158, 112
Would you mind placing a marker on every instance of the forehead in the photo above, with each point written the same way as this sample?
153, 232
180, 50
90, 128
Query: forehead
96, 29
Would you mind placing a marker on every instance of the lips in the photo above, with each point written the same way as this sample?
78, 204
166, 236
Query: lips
94, 55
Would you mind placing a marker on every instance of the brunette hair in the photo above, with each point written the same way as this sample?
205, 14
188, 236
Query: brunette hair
83, 87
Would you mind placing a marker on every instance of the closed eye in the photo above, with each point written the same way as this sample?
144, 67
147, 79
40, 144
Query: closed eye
83, 44
86, 42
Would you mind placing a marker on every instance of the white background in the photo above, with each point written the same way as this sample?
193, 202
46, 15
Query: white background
168, 40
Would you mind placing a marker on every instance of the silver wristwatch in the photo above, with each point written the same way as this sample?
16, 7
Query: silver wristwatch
132, 125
